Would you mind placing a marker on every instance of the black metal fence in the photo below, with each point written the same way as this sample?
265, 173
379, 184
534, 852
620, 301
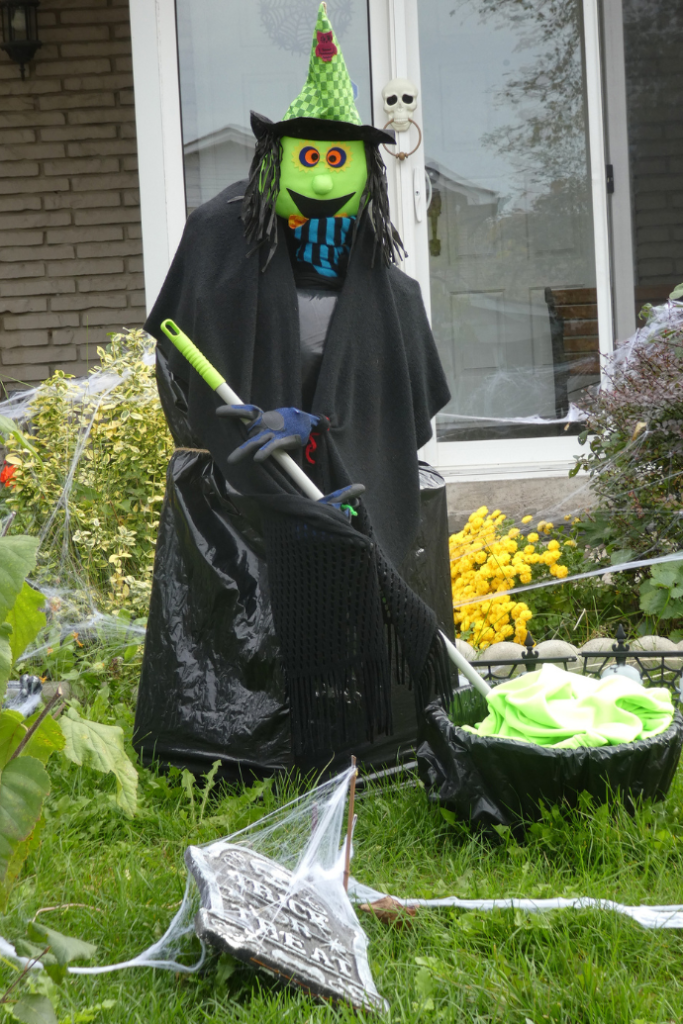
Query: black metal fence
657, 668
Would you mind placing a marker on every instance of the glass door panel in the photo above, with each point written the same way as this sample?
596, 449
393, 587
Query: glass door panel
510, 224
235, 57
653, 37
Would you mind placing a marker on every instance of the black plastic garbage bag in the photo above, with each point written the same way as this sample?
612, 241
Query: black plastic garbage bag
494, 781
212, 685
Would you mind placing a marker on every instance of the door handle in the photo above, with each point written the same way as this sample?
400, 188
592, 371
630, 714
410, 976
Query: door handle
419, 194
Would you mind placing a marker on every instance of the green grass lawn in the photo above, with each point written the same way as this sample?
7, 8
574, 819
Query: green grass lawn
567, 966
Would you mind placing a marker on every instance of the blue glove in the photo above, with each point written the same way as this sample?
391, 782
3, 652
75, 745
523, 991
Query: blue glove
343, 499
277, 430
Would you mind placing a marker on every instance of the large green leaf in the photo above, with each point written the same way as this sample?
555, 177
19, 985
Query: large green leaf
5, 657
674, 610
101, 747
12, 729
24, 784
17, 859
63, 947
33, 1009
7, 427
667, 574
26, 619
17, 559
45, 741
652, 599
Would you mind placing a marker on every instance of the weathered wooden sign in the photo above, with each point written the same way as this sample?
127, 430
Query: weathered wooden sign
252, 909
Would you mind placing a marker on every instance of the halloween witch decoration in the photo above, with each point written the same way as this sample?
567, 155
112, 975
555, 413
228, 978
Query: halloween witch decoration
279, 628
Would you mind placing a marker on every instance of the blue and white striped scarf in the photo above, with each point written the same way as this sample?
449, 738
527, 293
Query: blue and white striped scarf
323, 243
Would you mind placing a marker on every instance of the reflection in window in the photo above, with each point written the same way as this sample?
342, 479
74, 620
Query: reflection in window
235, 57
653, 37
510, 220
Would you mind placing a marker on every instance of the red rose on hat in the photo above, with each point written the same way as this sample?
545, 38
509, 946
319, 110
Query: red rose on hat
325, 48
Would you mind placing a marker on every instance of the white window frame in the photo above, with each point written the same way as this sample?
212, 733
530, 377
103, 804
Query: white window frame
621, 216
394, 28
159, 135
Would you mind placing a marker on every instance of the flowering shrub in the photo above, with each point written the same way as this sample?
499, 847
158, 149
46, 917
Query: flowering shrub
87, 473
487, 558
634, 438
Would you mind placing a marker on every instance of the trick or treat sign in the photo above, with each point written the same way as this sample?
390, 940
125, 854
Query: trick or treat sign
258, 912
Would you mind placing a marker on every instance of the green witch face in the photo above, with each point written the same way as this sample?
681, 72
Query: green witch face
321, 179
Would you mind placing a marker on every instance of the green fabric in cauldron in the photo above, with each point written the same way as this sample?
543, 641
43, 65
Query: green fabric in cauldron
556, 708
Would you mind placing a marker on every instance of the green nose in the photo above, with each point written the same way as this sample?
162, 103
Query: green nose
322, 184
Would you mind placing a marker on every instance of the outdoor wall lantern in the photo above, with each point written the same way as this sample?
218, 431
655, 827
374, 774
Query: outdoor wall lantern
20, 30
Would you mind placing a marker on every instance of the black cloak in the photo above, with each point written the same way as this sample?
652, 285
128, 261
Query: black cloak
380, 382
211, 685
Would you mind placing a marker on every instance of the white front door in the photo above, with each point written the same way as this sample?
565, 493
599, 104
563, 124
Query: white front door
504, 212
502, 208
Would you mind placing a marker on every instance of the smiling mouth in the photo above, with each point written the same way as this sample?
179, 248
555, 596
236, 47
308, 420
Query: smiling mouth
314, 208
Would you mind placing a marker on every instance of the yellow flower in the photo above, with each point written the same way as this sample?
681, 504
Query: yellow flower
527, 519
485, 563
540, 524
559, 570
570, 544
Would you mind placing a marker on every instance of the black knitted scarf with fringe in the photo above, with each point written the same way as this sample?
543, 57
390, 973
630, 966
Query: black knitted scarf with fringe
347, 625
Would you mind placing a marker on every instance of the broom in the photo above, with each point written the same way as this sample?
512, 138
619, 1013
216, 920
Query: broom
218, 384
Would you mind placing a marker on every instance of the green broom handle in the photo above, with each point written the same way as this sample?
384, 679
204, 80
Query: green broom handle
218, 384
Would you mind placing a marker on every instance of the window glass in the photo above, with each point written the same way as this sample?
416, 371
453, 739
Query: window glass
653, 42
235, 57
513, 286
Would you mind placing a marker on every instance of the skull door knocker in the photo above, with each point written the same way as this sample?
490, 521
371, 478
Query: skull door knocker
400, 100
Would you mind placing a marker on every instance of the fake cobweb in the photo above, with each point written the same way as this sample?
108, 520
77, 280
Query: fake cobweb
304, 837
301, 843
75, 607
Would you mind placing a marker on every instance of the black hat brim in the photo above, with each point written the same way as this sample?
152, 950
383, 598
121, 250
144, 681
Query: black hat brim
317, 128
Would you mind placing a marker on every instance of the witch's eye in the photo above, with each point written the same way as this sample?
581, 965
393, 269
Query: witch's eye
309, 156
336, 157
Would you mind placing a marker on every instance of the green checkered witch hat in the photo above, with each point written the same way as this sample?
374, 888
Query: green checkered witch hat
328, 93
325, 108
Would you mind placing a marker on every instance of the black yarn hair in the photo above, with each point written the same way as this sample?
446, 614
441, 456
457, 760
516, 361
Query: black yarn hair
375, 199
263, 187
260, 196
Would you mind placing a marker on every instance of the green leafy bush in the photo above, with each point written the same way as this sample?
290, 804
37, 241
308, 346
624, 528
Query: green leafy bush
88, 474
